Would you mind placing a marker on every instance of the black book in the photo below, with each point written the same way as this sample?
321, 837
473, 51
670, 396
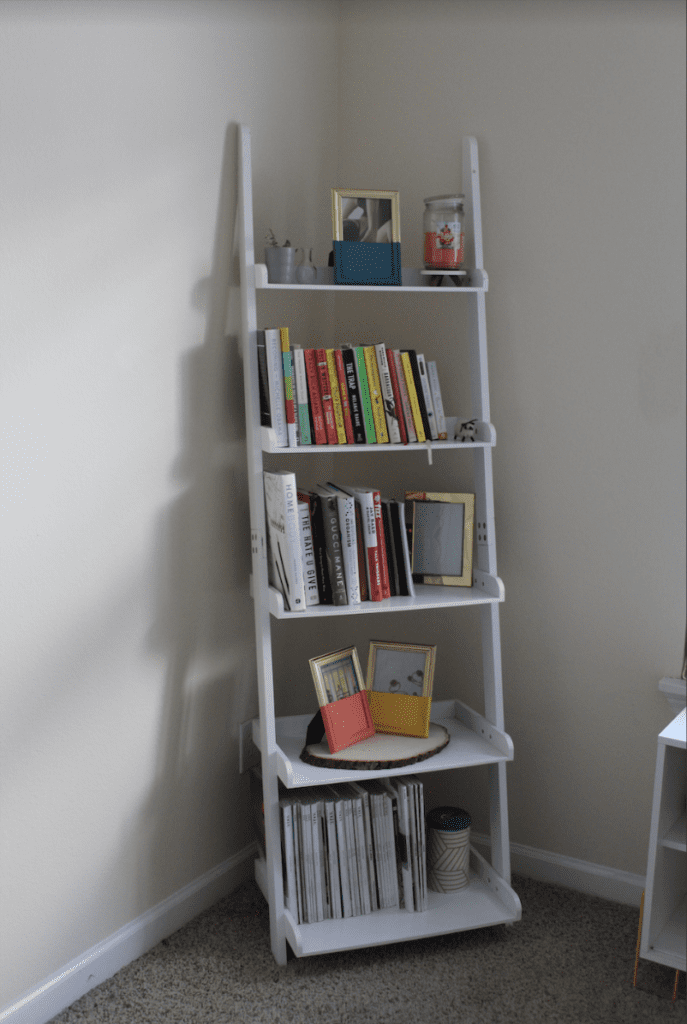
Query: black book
264, 388
354, 399
329, 511
390, 549
412, 355
397, 514
324, 586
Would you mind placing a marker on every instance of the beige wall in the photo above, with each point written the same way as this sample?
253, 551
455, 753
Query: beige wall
127, 652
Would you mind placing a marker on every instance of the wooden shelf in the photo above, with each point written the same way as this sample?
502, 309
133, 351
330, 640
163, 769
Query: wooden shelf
473, 741
412, 277
487, 900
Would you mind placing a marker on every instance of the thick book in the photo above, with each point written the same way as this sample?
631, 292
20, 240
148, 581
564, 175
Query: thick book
275, 379
438, 404
376, 399
291, 890
388, 398
349, 542
326, 396
402, 551
364, 388
333, 857
301, 397
284, 538
412, 396
312, 593
333, 546
398, 401
362, 790
263, 381
419, 393
401, 827
313, 377
405, 399
381, 544
354, 396
324, 586
335, 392
427, 395
342, 850
391, 556
343, 392
289, 400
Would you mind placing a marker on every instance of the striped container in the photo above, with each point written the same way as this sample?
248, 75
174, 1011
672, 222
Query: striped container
448, 849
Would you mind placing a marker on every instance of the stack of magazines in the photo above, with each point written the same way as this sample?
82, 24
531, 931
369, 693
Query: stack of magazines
351, 849
369, 394
334, 544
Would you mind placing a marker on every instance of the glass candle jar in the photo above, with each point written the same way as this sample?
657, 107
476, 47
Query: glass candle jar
443, 224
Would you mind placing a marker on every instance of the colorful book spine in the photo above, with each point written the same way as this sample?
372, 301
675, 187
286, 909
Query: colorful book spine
391, 411
313, 376
405, 400
381, 544
326, 396
373, 569
363, 385
412, 356
301, 396
336, 396
275, 379
427, 395
289, 403
343, 391
354, 397
433, 375
412, 396
376, 399
398, 402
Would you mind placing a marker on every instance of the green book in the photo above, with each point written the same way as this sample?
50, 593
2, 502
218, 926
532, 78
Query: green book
370, 433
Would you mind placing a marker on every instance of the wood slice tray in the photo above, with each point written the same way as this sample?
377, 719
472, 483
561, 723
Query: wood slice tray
380, 751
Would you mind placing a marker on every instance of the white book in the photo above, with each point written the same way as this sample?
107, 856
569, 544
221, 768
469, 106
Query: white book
305, 834
381, 868
318, 858
422, 845
397, 787
333, 857
298, 858
349, 542
427, 392
390, 410
392, 869
342, 848
275, 381
414, 843
369, 844
404, 547
405, 398
312, 594
433, 375
284, 538
291, 895
351, 853
361, 853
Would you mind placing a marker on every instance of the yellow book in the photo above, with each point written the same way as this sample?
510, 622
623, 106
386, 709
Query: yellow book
376, 399
336, 396
412, 395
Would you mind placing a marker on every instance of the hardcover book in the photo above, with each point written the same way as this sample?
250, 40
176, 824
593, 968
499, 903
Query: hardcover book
433, 375
364, 388
289, 402
427, 395
376, 400
336, 396
275, 379
263, 381
313, 376
419, 393
343, 391
354, 396
301, 396
388, 399
412, 397
283, 538
398, 401
326, 396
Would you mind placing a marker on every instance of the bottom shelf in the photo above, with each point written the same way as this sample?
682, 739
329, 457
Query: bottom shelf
487, 900
669, 946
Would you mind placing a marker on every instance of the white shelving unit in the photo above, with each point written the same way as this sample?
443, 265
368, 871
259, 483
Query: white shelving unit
474, 739
664, 921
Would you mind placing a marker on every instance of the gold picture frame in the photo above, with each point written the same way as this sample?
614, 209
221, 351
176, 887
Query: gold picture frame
399, 683
375, 218
443, 527
337, 675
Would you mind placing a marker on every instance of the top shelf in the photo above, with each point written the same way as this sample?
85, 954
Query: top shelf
476, 280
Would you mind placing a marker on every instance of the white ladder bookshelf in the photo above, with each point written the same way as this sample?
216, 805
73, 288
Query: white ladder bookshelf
475, 739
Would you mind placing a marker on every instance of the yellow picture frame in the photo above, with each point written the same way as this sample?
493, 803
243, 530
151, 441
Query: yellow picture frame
399, 682
337, 675
442, 537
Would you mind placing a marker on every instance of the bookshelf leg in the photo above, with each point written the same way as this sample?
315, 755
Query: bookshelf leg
639, 937
677, 978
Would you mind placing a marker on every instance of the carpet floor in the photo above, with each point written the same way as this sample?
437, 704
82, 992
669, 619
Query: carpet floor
568, 961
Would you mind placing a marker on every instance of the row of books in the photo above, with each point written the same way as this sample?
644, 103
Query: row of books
334, 544
369, 394
353, 848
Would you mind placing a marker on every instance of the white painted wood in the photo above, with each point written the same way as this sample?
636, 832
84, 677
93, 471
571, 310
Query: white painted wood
675, 690
102, 961
475, 739
664, 932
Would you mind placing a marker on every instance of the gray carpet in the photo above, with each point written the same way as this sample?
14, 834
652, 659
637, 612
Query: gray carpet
568, 961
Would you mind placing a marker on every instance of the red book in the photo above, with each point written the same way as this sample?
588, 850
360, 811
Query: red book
381, 544
343, 388
365, 500
397, 395
314, 392
326, 396
347, 721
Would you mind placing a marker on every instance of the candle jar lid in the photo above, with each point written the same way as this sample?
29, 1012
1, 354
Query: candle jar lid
457, 198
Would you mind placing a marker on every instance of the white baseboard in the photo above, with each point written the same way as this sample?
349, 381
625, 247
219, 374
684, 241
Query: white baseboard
102, 961
571, 873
